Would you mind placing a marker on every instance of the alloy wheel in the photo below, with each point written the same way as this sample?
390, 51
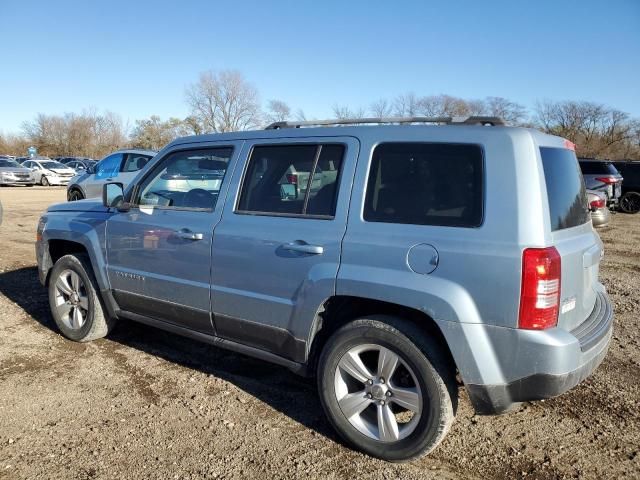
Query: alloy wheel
71, 299
378, 392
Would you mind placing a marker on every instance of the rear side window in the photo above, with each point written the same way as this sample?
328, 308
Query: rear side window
298, 180
565, 188
134, 162
597, 168
426, 184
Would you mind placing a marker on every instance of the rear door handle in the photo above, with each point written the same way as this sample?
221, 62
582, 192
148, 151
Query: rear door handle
303, 247
189, 235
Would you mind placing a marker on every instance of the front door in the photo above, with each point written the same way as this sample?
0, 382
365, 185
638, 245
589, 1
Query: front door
106, 171
276, 250
159, 252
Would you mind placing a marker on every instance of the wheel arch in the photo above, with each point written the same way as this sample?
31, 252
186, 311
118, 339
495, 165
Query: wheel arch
339, 310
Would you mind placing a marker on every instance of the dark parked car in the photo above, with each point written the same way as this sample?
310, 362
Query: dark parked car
630, 200
603, 176
81, 165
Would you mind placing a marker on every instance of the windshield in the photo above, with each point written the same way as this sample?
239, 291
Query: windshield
52, 164
565, 188
9, 163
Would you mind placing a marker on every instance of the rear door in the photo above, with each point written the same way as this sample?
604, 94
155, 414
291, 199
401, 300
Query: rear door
159, 252
277, 248
132, 163
573, 236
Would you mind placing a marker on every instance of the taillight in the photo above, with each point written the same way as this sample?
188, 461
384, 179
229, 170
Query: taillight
540, 294
600, 203
292, 178
608, 180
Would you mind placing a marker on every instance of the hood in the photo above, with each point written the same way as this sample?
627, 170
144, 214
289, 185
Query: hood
15, 169
61, 170
86, 205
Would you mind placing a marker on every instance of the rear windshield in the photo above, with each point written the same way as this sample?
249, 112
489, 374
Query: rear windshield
565, 188
597, 168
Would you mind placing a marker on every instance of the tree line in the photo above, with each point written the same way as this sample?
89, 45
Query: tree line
224, 101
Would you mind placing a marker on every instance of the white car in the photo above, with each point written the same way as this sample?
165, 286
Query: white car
49, 172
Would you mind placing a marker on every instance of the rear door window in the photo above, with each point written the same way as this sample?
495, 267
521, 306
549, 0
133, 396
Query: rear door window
565, 188
134, 162
297, 180
426, 184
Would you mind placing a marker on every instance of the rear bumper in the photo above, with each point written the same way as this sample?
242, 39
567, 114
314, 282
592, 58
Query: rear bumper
600, 217
534, 365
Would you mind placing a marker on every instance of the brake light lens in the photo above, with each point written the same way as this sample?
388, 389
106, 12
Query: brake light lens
540, 293
292, 178
600, 203
570, 145
608, 180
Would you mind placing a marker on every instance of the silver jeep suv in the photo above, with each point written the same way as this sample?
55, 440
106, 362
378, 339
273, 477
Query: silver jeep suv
413, 254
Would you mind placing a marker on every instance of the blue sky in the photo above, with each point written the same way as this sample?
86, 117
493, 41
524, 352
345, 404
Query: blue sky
136, 57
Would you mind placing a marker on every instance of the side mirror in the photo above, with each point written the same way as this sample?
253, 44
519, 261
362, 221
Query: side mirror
112, 195
90, 169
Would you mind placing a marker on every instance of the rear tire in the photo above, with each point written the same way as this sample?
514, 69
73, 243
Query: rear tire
75, 304
44, 182
630, 202
398, 418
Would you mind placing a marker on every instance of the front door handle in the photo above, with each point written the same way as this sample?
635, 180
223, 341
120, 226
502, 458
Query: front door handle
303, 247
189, 235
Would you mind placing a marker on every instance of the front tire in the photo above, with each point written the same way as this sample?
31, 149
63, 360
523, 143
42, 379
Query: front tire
387, 388
44, 182
75, 195
74, 301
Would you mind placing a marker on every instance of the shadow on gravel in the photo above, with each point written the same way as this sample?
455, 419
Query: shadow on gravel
276, 386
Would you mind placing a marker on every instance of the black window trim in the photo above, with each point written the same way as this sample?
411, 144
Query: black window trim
308, 141
135, 190
428, 225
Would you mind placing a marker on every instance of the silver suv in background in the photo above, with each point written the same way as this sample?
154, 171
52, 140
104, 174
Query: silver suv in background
603, 176
411, 255
121, 166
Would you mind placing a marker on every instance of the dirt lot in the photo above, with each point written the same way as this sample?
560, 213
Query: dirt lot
146, 404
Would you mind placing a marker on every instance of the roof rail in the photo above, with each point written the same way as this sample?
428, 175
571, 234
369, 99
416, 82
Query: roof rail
473, 120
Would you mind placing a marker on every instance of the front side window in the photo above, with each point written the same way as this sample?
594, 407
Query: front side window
187, 179
292, 180
426, 184
109, 167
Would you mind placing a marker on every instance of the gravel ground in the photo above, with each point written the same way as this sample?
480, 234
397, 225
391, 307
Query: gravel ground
146, 404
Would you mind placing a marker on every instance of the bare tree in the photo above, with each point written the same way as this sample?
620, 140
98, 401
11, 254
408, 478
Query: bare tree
597, 130
88, 133
153, 133
406, 105
512, 112
277, 111
224, 102
381, 108
343, 112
